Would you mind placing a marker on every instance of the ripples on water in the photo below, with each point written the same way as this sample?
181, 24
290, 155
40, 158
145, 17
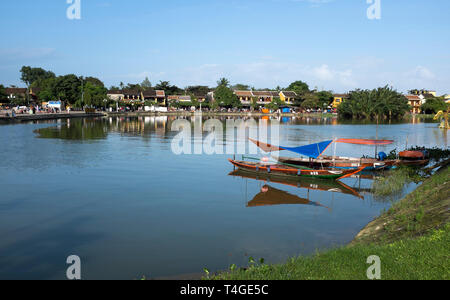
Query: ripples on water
111, 191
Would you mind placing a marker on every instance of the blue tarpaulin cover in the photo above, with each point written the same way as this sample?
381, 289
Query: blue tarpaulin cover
312, 151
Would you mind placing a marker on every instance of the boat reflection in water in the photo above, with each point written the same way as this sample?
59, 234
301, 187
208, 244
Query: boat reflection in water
270, 196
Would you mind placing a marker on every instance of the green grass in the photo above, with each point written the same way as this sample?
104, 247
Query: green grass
424, 209
412, 240
426, 257
392, 183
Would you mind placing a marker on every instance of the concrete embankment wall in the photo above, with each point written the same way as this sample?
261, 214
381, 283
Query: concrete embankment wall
24, 118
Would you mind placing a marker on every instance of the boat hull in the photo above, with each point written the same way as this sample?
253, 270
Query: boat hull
286, 171
344, 163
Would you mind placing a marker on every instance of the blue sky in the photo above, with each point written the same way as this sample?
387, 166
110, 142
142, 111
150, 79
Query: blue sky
330, 44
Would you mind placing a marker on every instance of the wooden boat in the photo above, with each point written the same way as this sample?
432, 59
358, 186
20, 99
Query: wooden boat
412, 155
332, 186
283, 170
316, 159
339, 162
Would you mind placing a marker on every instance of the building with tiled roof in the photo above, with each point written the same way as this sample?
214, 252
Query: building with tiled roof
415, 102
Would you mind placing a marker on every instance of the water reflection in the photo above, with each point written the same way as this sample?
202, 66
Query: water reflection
270, 196
99, 128
111, 191
332, 186
81, 129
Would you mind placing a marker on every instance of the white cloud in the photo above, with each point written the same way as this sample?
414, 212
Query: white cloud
362, 72
323, 73
421, 72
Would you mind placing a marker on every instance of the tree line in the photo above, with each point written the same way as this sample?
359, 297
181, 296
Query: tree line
383, 102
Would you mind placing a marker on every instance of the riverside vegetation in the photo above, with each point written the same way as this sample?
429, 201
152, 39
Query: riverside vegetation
381, 103
412, 240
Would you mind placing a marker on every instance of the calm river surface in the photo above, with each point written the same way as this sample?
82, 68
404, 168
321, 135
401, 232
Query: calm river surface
112, 192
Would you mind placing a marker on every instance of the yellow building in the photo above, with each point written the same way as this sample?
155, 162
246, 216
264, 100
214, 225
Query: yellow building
415, 102
423, 92
447, 98
288, 97
338, 99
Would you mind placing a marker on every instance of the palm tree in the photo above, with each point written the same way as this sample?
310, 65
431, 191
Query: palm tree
223, 82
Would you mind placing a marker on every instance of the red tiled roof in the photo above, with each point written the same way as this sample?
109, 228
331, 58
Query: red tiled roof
243, 93
160, 94
341, 95
10, 91
413, 98
289, 94
263, 93
115, 92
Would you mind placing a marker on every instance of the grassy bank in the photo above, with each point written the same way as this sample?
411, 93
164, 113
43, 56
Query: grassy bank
412, 240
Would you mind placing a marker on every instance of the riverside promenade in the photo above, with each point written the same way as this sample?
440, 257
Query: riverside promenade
47, 116
76, 114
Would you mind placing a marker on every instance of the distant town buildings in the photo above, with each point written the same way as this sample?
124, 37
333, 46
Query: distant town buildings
156, 96
14, 93
248, 98
415, 102
338, 99
265, 97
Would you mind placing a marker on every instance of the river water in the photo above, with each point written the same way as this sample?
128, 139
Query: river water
112, 191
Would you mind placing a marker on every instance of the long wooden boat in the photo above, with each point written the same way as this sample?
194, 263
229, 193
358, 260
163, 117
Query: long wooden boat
316, 159
339, 162
332, 186
283, 170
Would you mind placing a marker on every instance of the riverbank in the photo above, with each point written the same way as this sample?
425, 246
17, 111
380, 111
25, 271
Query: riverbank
217, 114
38, 117
412, 240
42, 117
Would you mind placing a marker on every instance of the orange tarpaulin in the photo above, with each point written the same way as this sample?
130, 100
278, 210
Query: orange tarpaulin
365, 142
266, 147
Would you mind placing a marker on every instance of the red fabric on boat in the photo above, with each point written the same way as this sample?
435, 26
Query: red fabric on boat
365, 142
266, 147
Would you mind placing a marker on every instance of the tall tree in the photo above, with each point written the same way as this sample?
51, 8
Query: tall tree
223, 82
94, 95
434, 105
3, 95
241, 87
382, 102
197, 90
146, 84
168, 88
134, 87
30, 75
224, 96
311, 101
94, 81
325, 97
299, 87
